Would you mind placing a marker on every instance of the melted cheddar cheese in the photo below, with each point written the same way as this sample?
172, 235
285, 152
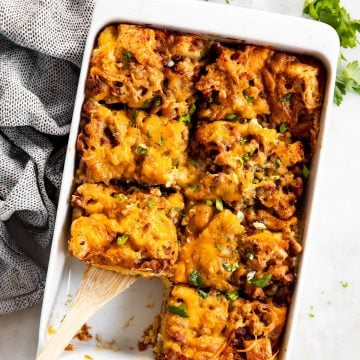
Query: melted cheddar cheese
132, 233
200, 335
211, 250
146, 68
131, 145
253, 163
234, 84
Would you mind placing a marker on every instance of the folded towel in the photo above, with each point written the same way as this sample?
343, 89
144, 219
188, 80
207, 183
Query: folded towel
41, 47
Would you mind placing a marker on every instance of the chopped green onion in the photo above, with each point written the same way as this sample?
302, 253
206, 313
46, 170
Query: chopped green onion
249, 99
218, 247
161, 141
244, 140
219, 205
208, 202
230, 267
278, 162
127, 57
283, 128
185, 119
121, 240
246, 157
195, 187
152, 102
286, 98
232, 295
250, 256
231, 117
141, 149
192, 109
275, 177
133, 117
150, 203
203, 294
306, 171
178, 310
196, 279
120, 197
258, 282
250, 276
240, 215
256, 181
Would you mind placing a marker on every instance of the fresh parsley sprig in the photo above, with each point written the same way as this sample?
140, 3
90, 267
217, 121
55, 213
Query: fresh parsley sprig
334, 14
347, 80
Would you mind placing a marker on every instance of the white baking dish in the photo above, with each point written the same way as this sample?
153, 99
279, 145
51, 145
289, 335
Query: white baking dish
123, 321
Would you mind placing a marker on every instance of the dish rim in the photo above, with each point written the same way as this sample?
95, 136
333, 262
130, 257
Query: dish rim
302, 36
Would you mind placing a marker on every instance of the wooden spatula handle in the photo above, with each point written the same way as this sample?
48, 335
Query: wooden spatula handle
96, 289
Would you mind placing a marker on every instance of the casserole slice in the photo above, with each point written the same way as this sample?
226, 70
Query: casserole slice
130, 231
131, 145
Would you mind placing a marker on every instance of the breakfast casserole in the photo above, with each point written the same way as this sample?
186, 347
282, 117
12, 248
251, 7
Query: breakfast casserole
192, 157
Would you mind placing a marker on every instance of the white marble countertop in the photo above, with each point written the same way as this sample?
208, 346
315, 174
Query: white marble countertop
329, 321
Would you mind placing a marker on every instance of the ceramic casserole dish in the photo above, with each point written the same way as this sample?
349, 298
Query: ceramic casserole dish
117, 328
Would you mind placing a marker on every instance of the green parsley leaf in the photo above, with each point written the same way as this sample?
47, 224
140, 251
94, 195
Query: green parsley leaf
255, 181
344, 284
178, 310
258, 282
196, 279
232, 295
283, 128
203, 294
306, 171
311, 315
230, 267
286, 98
219, 205
208, 202
347, 81
121, 240
150, 203
332, 13
141, 149
278, 162
246, 157
161, 141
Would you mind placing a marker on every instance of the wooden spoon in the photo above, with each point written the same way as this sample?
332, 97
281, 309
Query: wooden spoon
97, 287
